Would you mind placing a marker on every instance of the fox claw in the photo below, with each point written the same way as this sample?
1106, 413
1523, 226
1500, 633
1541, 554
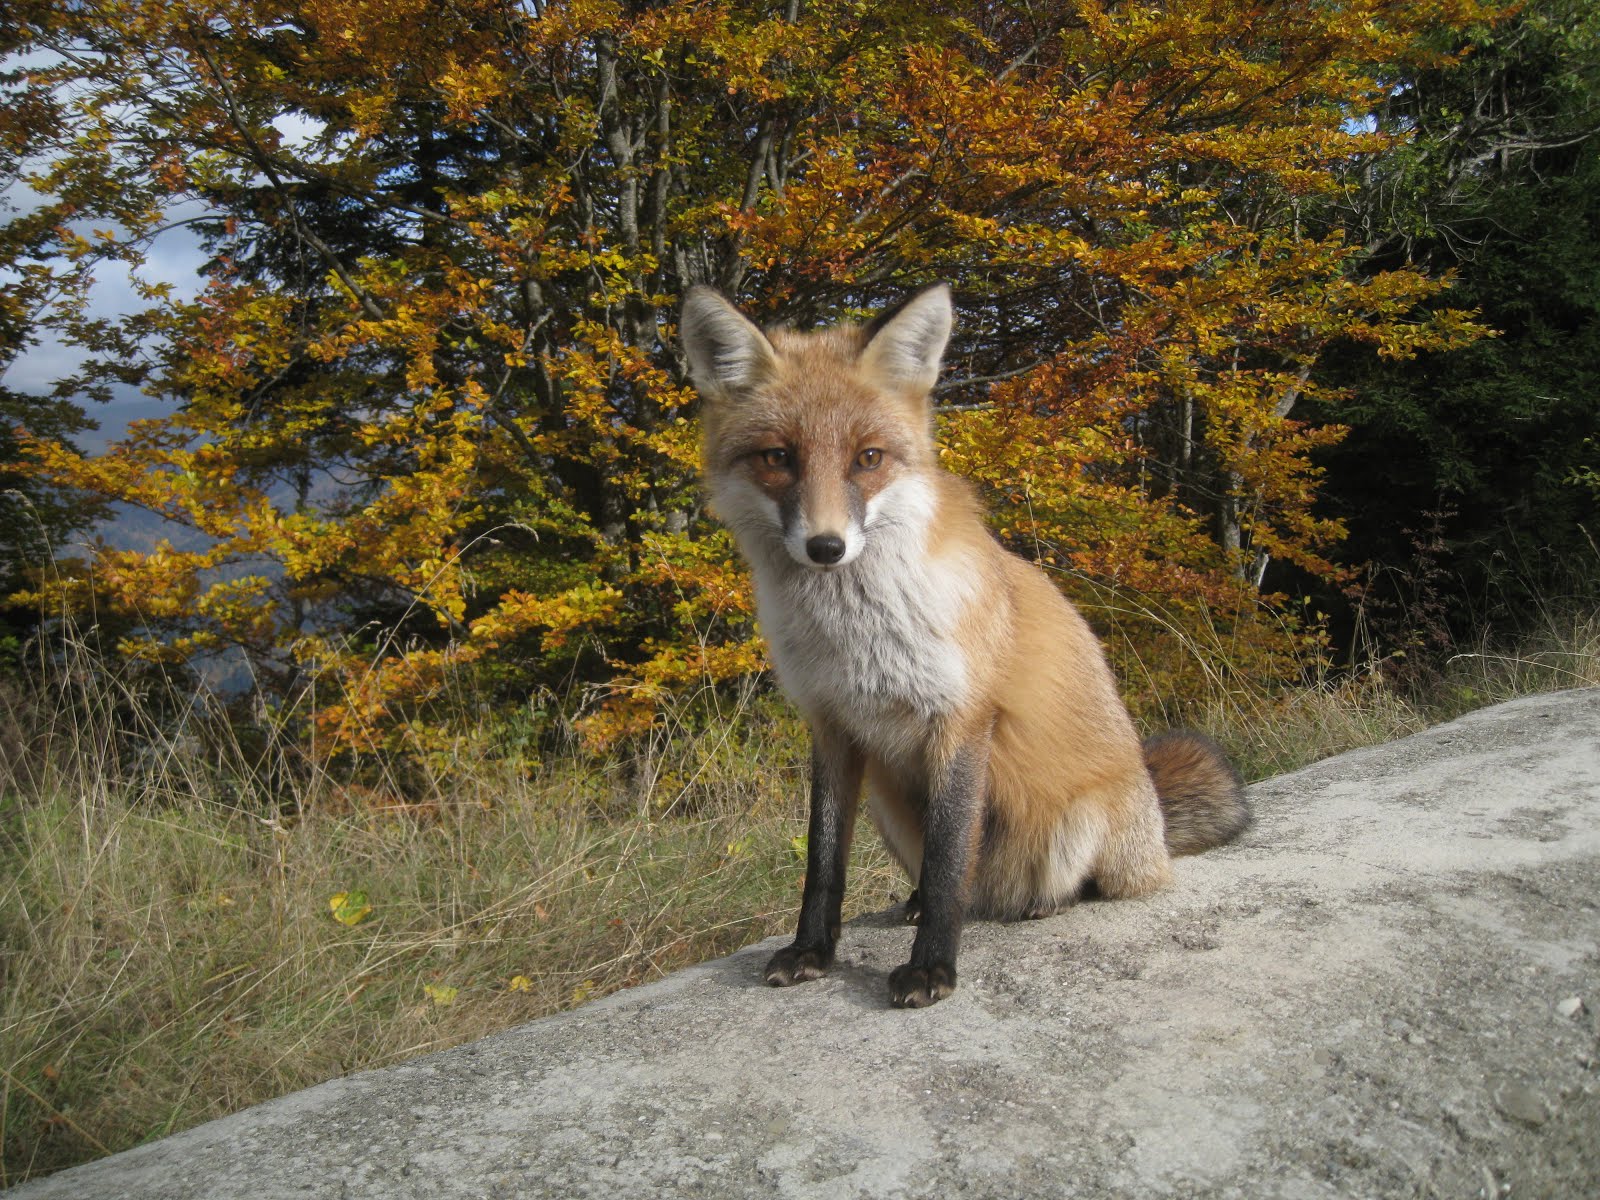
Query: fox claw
918, 987
798, 964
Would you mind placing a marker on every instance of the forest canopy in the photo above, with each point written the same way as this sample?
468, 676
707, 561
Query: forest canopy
426, 419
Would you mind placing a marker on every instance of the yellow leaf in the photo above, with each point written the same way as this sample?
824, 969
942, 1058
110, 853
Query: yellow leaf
583, 991
350, 908
520, 983
440, 993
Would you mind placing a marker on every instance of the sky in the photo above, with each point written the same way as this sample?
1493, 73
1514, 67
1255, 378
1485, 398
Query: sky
173, 257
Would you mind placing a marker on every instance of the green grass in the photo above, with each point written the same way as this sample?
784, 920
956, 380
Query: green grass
168, 953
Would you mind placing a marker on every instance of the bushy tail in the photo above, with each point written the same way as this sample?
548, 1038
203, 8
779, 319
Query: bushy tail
1202, 796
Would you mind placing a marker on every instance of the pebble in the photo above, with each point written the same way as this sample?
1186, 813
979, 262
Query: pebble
1570, 1007
1521, 1103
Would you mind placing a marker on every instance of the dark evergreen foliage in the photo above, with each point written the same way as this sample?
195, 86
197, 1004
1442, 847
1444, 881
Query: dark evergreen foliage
1471, 481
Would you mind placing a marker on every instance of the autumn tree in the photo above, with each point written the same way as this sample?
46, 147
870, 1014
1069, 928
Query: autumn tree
428, 409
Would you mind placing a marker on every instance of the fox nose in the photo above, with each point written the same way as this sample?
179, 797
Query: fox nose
825, 548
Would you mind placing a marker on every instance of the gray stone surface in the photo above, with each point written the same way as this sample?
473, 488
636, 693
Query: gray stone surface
1362, 998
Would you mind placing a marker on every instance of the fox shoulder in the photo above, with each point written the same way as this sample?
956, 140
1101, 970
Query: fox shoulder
1201, 793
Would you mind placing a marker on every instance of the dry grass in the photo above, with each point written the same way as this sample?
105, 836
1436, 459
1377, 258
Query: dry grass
168, 953
1270, 729
1275, 732
169, 956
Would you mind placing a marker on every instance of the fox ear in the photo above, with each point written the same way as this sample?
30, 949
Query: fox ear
905, 344
727, 353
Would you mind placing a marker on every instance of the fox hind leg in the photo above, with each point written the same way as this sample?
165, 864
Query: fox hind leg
1133, 859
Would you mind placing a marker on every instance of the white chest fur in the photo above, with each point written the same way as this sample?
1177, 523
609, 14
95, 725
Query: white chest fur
870, 646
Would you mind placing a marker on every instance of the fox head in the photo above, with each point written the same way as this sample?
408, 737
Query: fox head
814, 440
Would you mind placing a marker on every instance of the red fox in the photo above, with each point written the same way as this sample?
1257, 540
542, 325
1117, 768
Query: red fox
941, 671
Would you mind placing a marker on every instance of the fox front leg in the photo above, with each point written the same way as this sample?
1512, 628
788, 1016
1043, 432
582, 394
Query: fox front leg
949, 851
836, 767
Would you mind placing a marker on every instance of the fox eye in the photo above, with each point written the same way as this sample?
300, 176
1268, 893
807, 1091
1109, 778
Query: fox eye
777, 458
868, 460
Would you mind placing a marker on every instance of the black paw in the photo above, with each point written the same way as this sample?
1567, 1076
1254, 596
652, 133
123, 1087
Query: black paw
918, 987
911, 914
797, 964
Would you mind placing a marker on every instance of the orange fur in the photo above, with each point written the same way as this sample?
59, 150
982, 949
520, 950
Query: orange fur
945, 671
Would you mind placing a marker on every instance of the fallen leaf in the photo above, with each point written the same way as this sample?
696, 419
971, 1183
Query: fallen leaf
350, 908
